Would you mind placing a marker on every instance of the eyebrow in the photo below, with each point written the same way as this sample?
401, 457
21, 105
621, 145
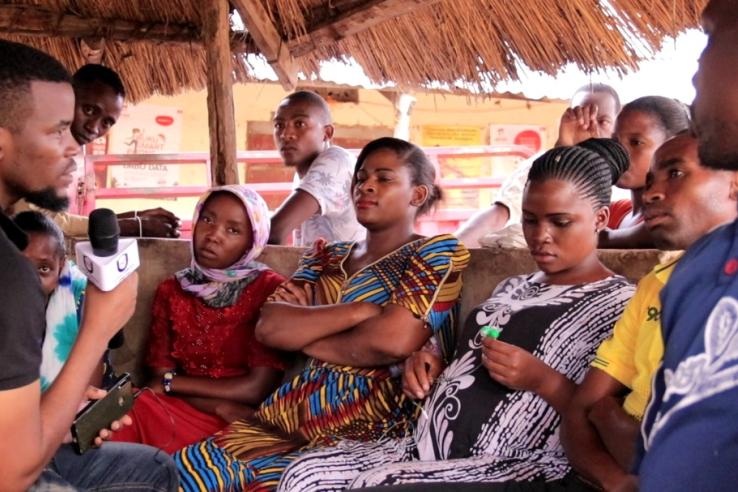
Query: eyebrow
669, 162
236, 222
551, 215
379, 170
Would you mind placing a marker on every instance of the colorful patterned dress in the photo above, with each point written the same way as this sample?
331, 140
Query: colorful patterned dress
326, 401
472, 428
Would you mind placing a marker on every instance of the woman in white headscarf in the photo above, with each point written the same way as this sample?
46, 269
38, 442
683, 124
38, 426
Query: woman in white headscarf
207, 368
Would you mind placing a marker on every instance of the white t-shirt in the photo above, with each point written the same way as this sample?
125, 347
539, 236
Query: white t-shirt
329, 181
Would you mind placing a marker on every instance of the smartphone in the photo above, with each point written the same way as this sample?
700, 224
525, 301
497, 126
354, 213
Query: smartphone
99, 414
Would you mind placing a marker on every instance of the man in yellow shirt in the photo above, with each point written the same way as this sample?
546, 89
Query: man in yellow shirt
683, 201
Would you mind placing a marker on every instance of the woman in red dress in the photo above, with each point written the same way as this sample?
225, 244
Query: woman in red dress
207, 368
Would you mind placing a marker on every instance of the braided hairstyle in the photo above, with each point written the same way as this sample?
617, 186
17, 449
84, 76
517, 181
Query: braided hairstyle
593, 166
421, 168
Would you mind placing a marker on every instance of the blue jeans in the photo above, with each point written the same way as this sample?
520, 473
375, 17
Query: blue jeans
114, 466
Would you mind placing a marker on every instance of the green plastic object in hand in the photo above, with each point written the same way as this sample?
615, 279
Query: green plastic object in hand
491, 331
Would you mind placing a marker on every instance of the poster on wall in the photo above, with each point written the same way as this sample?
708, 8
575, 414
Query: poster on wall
459, 167
531, 136
146, 129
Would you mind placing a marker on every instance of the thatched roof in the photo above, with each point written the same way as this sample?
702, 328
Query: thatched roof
156, 44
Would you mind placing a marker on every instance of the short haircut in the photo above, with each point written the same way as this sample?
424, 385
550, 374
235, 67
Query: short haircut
92, 72
601, 89
313, 99
672, 115
592, 166
19, 66
33, 222
422, 170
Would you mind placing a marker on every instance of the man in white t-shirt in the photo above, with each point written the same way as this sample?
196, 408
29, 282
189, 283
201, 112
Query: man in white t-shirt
320, 205
593, 110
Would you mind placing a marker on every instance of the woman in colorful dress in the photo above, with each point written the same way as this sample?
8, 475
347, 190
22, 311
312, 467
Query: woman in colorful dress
207, 367
358, 310
493, 414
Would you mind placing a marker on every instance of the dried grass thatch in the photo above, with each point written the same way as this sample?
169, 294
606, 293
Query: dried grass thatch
474, 42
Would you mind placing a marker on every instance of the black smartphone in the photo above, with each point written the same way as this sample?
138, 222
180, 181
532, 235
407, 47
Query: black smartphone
99, 414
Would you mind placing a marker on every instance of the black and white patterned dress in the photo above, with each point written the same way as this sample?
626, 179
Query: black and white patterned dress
473, 429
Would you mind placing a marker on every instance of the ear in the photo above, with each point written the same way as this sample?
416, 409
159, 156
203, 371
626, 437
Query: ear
5, 137
602, 217
328, 133
420, 195
733, 195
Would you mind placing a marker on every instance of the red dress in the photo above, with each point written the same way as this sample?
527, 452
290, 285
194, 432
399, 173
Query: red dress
197, 340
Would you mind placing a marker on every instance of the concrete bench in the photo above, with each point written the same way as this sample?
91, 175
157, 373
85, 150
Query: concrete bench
160, 258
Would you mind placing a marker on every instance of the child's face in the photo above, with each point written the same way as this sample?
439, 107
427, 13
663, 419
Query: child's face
223, 232
43, 251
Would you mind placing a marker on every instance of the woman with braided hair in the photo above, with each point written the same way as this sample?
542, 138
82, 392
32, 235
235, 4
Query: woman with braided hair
492, 415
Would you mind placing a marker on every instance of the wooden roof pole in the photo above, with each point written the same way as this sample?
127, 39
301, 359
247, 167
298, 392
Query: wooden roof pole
30, 20
268, 40
360, 17
221, 119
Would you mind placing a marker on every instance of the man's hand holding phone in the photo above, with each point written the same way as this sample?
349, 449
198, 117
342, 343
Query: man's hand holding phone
103, 413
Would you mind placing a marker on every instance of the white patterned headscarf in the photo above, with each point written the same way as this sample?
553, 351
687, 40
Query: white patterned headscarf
222, 287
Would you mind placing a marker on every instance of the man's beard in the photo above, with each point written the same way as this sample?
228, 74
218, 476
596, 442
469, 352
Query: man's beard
48, 199
717, 147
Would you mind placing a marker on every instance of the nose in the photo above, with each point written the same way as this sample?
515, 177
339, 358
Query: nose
653, 193
214, 234
72, 147
367, 186
541, 234
288, 132
92, 125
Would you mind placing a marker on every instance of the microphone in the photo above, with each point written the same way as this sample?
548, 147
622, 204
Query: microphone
105, 259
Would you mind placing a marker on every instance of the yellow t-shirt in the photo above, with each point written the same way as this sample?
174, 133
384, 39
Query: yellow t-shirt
634, 351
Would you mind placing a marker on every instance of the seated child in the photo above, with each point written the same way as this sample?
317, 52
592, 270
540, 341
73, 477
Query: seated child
64, 287
493, 414
207, 367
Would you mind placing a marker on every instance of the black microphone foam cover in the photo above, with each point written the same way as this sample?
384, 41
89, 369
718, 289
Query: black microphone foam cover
103, 231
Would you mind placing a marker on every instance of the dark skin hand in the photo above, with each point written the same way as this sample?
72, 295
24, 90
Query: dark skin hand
617, 429
518, 369
421, 370
292, 305
155, 222
329, 329
249, 389
587, 452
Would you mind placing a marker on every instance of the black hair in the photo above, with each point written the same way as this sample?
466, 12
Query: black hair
32, 221
593, 166
671, 114
422, 170
602, 89
19, 66
313, 99
92, 72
